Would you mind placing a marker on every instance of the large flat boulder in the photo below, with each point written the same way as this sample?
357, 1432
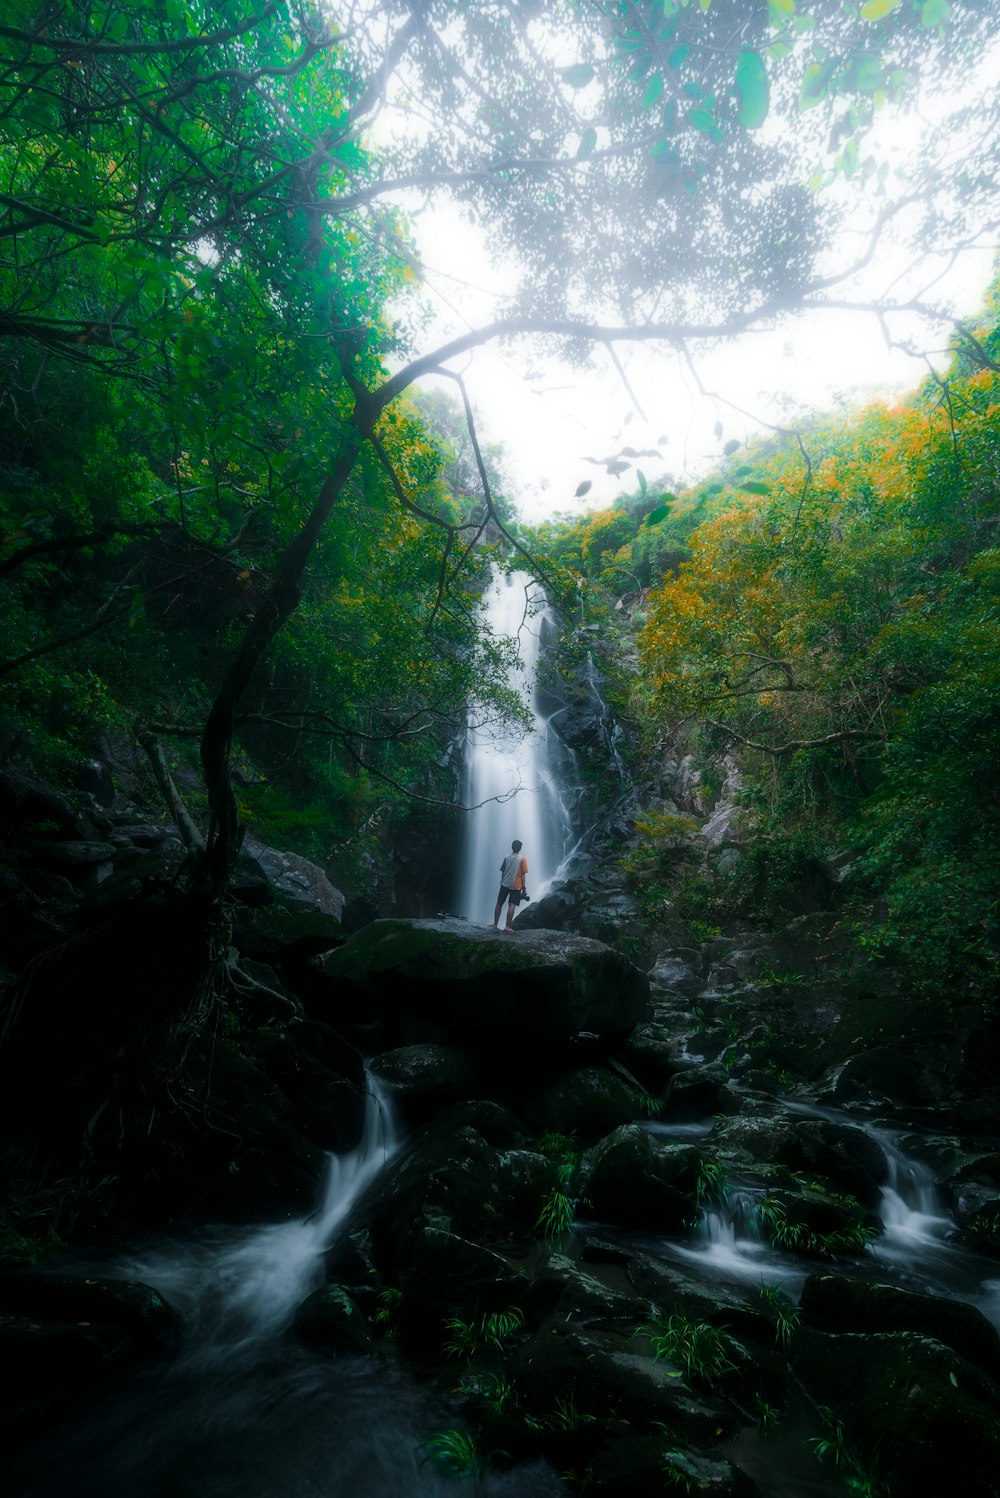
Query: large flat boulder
530, 991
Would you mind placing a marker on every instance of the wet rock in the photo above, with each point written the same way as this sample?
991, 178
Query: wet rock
885, 1074
421, 1079
327, 1105
587, 1103
81, 1300
331, 1321
918, 1412
495, 1123
46, 1355
727, 1307
632, 1181
302, 885
699, 1473
848, 1158
654, 1054
605, 1377
31, 806
696, 1092
567, 1293
459, 1184
523, 995
834, 1303
673, 975
447, 1275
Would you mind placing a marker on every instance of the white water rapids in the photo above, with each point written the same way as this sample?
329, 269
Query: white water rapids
520, 784
239, 1288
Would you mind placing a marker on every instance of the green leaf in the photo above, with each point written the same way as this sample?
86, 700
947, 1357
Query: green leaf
815, 81
577, 76
642, 480
702, 119
755, 488
678, 55
934, 13
781, 7
654, 89
657, 516
588, 141
866, 73
877, 10
754, 89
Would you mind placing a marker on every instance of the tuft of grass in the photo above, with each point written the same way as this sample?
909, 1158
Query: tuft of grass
795, 1237
786, 1314
702, 1350
556, 1216
713, 1184
494, 1389
467, 1337
566, 1416
454, 1451
837, 1449
390, 1301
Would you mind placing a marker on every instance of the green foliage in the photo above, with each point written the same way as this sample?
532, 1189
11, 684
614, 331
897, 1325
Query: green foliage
556, 1216
496, 1390
563, 1150
466, 1338
390, 1302
703, 1351
39, 1212
836, 1449
797, 1237
566, 1416
454, 1452
713, 1185
786, 1314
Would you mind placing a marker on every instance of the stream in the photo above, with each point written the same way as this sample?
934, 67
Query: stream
245, 1411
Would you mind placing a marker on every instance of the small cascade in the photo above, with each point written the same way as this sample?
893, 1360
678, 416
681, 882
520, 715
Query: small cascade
729, 1241
519, 784
911, 1210
237, 1291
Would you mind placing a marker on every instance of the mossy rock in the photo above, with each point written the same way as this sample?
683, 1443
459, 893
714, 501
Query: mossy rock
506, 995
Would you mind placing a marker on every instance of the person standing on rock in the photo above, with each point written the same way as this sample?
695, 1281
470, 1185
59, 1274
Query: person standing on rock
513, 872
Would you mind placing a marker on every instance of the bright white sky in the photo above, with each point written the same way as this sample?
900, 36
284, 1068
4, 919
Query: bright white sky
550, 418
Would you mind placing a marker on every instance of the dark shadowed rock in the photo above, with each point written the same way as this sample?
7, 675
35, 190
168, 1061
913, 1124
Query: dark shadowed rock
328, 1101
421, 1079
605, 1376
631, 1180
447, 1274
137, 1308
455, 1182
331, 1321
915, 1409
834, 1303
302, 885
589, 1103
526, 993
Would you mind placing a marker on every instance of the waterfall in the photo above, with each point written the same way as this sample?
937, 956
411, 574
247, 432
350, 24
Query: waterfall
237, 1289
518, 783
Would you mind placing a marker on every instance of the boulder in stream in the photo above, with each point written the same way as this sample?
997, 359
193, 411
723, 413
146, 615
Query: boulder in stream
523, 995
631, 1180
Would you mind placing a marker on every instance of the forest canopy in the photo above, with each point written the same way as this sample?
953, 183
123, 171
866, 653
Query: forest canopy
210, 307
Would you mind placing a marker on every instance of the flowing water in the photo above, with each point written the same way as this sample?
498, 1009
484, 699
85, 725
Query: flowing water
245, 1411
520, 784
